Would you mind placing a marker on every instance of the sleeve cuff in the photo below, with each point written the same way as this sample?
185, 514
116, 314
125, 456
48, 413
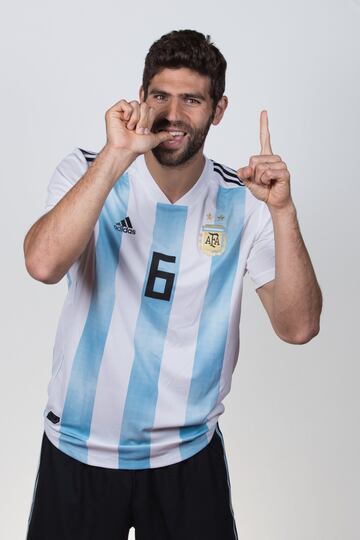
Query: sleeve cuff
263, 278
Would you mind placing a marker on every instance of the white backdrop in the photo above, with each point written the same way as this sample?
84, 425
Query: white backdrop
291, 421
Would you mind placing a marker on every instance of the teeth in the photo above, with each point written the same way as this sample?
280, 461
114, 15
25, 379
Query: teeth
175, 133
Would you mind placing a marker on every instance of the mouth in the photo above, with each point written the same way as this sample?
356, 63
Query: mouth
177, 138
175, 133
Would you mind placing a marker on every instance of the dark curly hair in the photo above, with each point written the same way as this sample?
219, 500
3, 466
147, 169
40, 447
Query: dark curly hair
190, 49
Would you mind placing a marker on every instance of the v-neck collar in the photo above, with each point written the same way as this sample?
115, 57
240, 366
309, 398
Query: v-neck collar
157, 195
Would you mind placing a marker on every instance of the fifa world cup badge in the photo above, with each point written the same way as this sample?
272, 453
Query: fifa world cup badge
213, 237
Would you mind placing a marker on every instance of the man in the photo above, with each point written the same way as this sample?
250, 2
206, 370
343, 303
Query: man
155, 239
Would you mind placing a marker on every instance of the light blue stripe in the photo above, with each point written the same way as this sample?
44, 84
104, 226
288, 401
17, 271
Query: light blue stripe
150, 334
79, 402
214, 323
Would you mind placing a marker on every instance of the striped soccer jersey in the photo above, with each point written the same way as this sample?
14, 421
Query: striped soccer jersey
148, 336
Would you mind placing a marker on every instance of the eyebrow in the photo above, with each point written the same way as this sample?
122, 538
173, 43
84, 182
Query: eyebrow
186, 95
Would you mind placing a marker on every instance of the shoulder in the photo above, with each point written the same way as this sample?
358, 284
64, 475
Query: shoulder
226, 176
88, 155
77, 161
72, 165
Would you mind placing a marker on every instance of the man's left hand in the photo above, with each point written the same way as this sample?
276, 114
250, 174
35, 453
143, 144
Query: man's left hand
267, 175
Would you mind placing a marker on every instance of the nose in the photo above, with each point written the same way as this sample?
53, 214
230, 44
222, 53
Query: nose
173, 110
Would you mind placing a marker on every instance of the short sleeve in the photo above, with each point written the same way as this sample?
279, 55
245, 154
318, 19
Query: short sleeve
261, 259
70, 169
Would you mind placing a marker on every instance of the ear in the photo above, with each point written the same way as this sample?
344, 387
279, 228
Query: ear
141, 94
220, 109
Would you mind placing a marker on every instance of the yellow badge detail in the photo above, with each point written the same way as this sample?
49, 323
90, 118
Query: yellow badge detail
212, 239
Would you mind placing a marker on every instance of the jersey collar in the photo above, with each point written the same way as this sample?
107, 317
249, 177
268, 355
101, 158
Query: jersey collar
157, 195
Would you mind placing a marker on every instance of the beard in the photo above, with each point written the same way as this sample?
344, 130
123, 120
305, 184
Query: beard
195, 139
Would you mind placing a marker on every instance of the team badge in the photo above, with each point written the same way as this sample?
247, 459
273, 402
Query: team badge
213, 237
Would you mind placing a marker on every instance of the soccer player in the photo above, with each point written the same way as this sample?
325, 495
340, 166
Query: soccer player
155, 239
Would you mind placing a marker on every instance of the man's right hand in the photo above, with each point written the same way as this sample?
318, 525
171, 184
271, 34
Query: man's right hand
128, 127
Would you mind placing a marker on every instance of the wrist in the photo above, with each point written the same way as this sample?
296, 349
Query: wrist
111, 163
287, 209
115, 160
117, 154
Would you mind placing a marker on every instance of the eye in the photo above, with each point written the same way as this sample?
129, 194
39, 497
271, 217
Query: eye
159, 97
192, 100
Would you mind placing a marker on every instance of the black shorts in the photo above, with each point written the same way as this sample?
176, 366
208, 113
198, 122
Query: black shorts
188, 500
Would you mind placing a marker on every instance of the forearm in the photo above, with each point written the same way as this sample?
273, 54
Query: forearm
297, 299
59, 237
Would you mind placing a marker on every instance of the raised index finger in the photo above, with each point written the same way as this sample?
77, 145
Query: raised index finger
264, 134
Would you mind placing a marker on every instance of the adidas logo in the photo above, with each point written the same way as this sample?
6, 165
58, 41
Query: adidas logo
125, 226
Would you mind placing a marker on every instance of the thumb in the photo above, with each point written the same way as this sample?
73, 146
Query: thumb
162, 136
245, 174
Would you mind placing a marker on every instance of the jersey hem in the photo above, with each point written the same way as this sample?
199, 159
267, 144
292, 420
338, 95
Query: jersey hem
99, 463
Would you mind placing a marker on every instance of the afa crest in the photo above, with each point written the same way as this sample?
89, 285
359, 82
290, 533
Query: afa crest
212, 239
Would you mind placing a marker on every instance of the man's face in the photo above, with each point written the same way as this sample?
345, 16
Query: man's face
182, 102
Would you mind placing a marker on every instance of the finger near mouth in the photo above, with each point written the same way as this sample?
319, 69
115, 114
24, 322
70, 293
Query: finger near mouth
174, 141
174, 130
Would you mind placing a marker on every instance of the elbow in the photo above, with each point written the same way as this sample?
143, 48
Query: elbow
34, 263
301, 336
40, 273
297, 327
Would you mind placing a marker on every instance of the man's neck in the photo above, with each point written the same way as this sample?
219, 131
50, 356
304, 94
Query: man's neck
174, 182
